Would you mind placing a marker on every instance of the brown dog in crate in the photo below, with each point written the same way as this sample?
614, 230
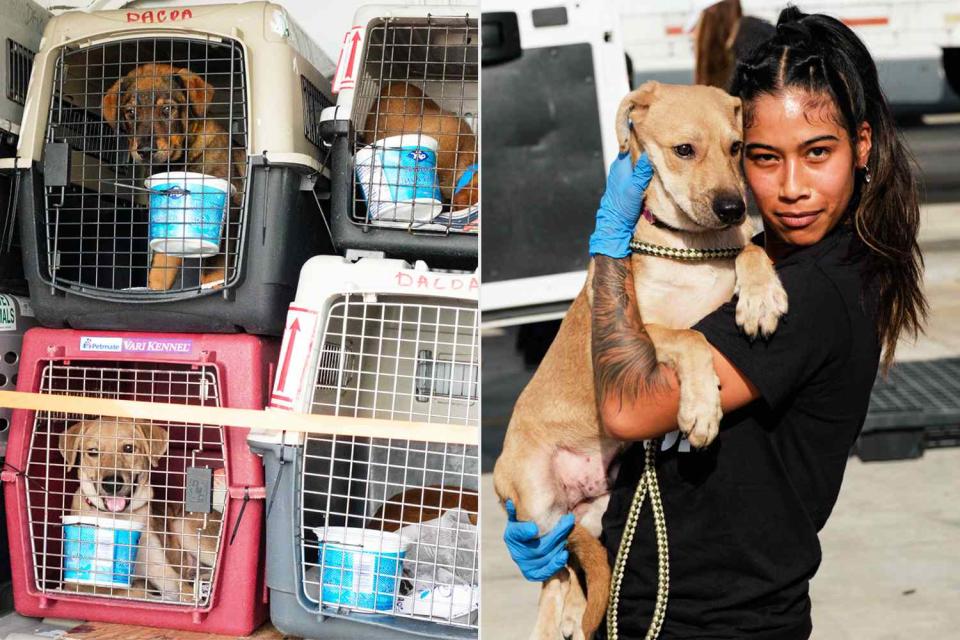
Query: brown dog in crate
162, 112
114, 459
402, 108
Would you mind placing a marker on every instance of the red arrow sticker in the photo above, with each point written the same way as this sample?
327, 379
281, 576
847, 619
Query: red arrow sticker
348, 64
298, 341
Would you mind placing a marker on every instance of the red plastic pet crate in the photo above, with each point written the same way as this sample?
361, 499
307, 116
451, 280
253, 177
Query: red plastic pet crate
207, 370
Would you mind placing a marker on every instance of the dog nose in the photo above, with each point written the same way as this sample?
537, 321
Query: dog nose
112, 485
729, 209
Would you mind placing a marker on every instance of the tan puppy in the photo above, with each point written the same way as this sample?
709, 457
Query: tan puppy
401, 109
556, 456
114, 458
162, 113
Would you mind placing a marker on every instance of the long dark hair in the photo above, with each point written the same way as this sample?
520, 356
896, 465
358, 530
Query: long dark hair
821, 55
714, 46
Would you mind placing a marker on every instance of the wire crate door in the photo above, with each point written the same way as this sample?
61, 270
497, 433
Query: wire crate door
145, 168
416, 114
400, 358
127, 509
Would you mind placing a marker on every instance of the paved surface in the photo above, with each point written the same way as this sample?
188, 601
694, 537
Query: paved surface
891, 550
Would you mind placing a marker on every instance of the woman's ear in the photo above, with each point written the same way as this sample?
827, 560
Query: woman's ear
864, 143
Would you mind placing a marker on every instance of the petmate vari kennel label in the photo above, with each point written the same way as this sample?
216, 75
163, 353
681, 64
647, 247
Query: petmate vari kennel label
106, 345
136, 345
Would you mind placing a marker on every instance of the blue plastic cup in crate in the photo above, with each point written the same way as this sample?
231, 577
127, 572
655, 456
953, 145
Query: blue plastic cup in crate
398, 177
359, 568
99, 551
186, 213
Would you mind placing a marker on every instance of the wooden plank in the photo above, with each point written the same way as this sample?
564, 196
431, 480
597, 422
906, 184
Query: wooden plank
271, 420
108, 631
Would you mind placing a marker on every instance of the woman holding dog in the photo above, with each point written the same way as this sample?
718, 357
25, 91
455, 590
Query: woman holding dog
840, 215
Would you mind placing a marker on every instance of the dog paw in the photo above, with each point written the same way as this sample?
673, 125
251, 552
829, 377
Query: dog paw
700, 411
761, 303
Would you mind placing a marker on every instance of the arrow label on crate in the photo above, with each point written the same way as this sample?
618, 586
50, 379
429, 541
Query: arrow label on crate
285, 368
295, 352
348, 64
354, 43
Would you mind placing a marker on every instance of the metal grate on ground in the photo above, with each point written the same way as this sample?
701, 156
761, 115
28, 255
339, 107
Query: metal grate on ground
918, 394
120, 475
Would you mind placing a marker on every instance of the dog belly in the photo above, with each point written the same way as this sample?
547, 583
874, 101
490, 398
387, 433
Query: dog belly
583, 476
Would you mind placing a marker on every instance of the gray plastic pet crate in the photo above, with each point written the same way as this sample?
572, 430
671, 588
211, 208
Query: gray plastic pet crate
916, 408
84, 206
291, 609
385, 340
20, 33
433, 50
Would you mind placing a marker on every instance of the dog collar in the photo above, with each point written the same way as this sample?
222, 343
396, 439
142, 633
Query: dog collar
686, 255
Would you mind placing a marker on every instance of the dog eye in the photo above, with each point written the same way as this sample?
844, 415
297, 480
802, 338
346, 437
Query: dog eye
735, 148
128, 448
166, 110
684, 150
131, 113
93, 452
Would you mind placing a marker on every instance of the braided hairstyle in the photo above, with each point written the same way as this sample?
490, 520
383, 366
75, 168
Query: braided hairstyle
822, 56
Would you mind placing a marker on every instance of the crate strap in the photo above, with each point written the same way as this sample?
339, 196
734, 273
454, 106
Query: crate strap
267, 419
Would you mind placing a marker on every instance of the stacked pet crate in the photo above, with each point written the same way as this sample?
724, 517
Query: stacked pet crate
170, 172
20, 35
377, 537
405, 134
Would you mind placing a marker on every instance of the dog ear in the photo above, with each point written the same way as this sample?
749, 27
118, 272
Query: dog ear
199, 93
737, 105
632, 110
111, 100
157, 441
70, 444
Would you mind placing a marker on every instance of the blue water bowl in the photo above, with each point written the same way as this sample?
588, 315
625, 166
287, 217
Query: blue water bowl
398, 178
187, 211
359, 568
99, 551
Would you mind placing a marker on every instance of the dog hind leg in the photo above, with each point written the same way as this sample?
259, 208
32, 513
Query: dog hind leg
550, 608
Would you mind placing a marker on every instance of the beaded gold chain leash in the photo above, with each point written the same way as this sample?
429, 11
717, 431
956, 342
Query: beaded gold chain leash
647, 484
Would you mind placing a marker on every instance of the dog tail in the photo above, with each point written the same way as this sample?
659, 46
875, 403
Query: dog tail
592, 557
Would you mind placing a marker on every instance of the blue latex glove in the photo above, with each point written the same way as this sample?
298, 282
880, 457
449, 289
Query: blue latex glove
538, 558
620, 206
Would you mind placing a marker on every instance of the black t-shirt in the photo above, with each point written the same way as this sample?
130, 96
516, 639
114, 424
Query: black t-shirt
743, 515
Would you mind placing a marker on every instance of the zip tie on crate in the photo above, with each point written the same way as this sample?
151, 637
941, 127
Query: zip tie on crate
465, 177
243, 507
276, 483
261, 419
19, 472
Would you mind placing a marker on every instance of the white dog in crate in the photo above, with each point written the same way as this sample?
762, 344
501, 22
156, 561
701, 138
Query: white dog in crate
114, 459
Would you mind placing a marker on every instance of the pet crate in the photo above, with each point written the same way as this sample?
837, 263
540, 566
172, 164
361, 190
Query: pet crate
405, 133
170, 168
138, 521
385, 340
16, 317
20, 34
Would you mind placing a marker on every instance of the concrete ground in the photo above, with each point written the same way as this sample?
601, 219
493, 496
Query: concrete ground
891, 549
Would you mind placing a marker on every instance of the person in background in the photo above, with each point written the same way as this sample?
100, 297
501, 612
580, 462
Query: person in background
723, 36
